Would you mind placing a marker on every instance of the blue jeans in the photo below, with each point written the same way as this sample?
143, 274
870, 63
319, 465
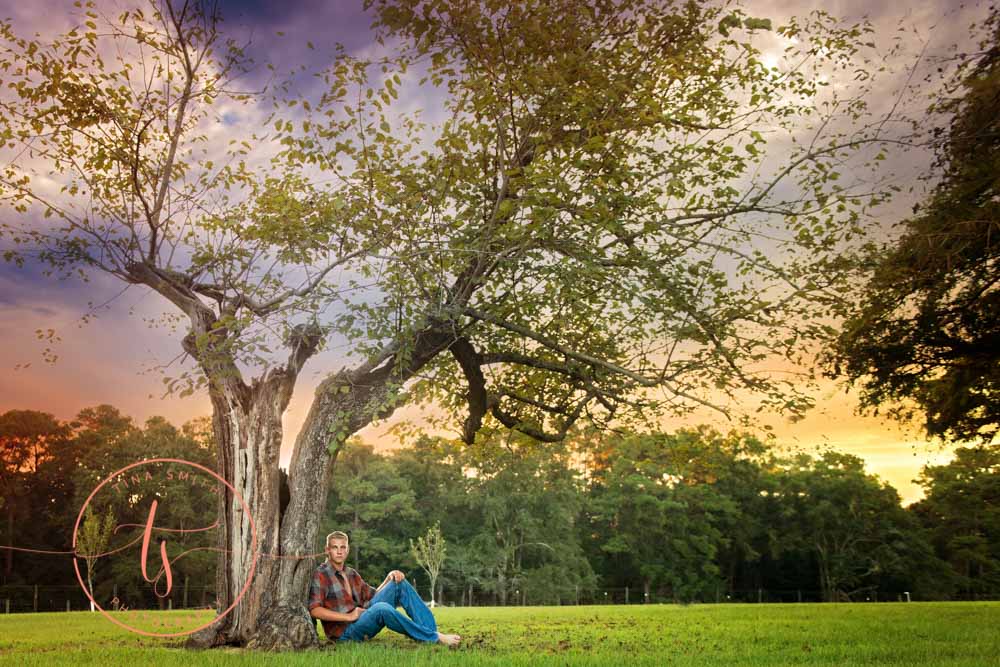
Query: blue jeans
382, 613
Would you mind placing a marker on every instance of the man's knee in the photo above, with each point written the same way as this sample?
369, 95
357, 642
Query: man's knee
381, 608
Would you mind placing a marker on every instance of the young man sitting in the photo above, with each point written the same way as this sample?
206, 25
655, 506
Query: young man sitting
351, 610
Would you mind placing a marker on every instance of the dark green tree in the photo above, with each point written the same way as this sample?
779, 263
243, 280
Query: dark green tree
655, 510
733, 464
961, 510
925, 338
527, 498
432, 467
851, 523
28, 441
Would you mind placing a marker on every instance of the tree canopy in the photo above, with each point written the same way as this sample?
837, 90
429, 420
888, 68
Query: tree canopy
626, 149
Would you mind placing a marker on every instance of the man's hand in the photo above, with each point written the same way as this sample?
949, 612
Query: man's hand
395, 575
355, 614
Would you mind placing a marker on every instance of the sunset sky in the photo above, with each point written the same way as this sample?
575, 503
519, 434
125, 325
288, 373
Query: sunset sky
115, 359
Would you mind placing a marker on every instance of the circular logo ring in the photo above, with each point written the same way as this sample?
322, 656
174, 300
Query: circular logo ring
253, 562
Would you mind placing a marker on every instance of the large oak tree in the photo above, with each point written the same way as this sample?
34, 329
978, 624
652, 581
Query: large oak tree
598, 229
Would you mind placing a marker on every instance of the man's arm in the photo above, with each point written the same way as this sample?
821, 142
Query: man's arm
324, 614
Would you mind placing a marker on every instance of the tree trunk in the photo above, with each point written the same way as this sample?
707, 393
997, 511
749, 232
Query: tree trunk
824, 577
272, 614
9, 565
356, 550
248, 433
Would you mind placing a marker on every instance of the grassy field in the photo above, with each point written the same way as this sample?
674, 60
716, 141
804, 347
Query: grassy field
960, 633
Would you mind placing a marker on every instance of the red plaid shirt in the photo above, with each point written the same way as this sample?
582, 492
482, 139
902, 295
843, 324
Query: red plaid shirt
328, 589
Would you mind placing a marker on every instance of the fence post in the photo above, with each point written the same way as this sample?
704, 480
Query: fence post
6, 606
875, 596
35, 605
67, 605
170, 604
760, 595
626, 595
718, 594
576, 592
186, 578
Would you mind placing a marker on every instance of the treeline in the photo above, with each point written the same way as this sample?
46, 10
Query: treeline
48, 468
694, 515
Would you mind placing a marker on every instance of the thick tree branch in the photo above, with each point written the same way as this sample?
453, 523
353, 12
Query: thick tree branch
553, 345
601, 394
471, 361
513, 423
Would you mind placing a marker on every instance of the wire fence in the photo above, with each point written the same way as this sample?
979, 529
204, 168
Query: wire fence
631, 596
32, 598
38, 598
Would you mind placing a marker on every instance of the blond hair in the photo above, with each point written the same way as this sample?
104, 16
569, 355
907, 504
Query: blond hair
337, 535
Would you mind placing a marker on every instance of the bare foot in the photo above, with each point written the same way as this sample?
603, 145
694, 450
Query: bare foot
448, 640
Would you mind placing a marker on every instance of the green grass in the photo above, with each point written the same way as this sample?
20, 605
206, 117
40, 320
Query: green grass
950, 633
